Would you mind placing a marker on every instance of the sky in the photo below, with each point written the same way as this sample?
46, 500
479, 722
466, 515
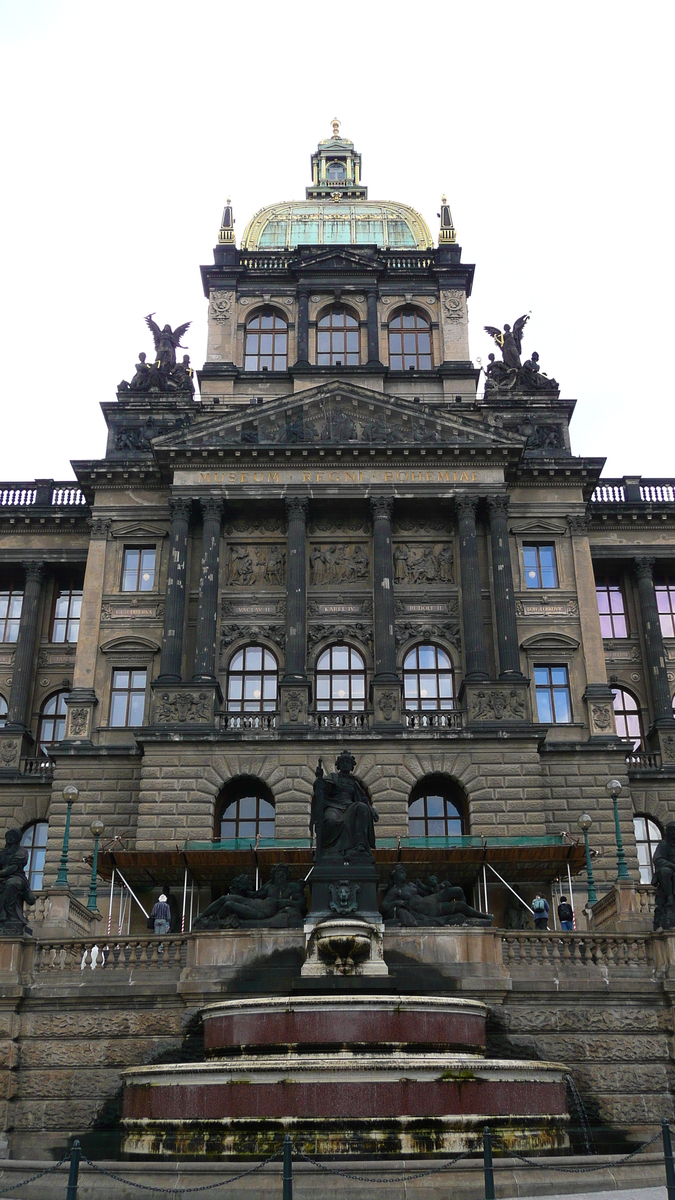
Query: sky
126, 126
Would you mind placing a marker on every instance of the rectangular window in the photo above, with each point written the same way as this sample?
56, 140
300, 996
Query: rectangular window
11, 603
67, 610
612, 609
553, 695
139, 569
127, 702
665, 600
539, 562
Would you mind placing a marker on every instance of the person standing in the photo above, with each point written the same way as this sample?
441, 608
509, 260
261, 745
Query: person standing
161, 915
540, 910
566, 914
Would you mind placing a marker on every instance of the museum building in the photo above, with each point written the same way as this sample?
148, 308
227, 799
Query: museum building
347, 537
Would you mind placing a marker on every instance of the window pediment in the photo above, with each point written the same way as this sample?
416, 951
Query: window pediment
550, 641
129, 645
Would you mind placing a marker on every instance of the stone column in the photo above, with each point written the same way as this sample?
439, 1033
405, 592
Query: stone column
22, 673
296, 591
386, 682
505, 603
303, 328
598, 695
82, 700
174, 605
207, 612
475, 659
656, 655
373, 340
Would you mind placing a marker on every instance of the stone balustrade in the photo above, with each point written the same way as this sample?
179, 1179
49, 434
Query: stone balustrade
575, 950
110, 954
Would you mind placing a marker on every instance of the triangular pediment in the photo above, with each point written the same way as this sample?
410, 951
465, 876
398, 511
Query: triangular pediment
334, 259
339, 414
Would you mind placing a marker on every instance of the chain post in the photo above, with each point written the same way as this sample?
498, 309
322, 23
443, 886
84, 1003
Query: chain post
288, 1168
487, 1165
668, 1157
73, 1174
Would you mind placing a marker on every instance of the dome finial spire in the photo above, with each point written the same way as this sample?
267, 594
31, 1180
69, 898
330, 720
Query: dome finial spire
336, 127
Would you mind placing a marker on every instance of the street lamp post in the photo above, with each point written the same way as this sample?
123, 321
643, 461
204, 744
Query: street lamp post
97, 828
70, 795
614, 789
585, 823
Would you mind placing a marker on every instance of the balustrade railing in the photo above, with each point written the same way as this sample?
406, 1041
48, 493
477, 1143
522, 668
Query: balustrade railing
615, 491
641, 760
646, 898
454, 719
111, 954
234, 722
41, 767
556, 949
346, 721
26, 495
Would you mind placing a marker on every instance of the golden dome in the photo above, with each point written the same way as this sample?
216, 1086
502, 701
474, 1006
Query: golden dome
338, 222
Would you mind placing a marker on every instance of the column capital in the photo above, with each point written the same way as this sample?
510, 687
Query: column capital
99, 527
466, 504
578, 523
382, 507
297, 507
34, 570
180, 507
212, 507
644, 567
498, 505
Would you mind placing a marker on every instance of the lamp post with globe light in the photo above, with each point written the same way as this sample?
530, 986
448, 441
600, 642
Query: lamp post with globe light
614, 789
97, 829
70, 795
584, 824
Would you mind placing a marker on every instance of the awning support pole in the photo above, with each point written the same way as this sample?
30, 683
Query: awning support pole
192, 899
132, 894
508, 885
182, 921
485, 889
569, 880
110, 902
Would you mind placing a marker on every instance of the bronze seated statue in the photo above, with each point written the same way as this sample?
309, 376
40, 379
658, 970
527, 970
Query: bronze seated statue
280, 904
417, 903
14, 889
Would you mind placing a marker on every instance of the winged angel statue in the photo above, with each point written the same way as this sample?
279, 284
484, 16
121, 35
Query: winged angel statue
167, 341
510, 375
165, 374
510, 341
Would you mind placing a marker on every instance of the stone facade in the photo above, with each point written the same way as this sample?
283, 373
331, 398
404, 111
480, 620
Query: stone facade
299, 508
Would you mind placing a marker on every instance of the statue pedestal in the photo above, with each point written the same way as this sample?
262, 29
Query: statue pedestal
344, 947
342, 889
60, 913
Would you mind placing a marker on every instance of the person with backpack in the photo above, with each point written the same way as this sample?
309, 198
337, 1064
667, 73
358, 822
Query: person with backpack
540, 910
566, 914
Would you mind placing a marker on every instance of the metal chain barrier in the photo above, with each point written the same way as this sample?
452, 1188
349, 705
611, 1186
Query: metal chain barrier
205, 1187
543, 1166
390, 1178
11, 1187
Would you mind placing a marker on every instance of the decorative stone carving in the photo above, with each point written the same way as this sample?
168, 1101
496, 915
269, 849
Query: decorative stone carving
183, 708
387, 703
295, 705
280, 904
344, 897
433, 903
446, 631
423, 564
78, 721
497, 705
668, 746
340, 633
419, 526
99, 527
165, 374
543, 606
221, 306
334, 525
252, 566
510, 375
602, 717
578, 524
338, 564
382, 507
257, 525
252, 633
453, 305
9, 752
546, 437
132, 608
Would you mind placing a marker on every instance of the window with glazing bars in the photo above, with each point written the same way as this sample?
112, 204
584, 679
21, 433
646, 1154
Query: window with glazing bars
34, 839
248, 816
252, 681
266, 346
554, 705
627, 717
340, 680
647, 837
427, 678
410, 342
11, 603
612, 609
434, 815
539, 563
665, 600
138, 574
338, 339
52, 721
127, 700
67, 610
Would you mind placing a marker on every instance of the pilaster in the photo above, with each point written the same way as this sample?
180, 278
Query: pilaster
598, 695
82, 700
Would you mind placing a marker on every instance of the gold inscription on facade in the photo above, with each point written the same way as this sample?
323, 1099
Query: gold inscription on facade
340, 476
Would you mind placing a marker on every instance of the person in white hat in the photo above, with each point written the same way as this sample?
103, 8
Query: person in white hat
161, 915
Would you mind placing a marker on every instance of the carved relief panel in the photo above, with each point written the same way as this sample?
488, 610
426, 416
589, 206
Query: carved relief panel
254, 566
331, 565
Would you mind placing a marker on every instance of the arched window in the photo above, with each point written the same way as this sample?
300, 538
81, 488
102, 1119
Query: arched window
340, 680
52, 721
246, 810
647, 837
252, 681
3, 712
266, 342
428, 678
627, 717
336, 170
436, 809
410, 341
34, 838
338, 339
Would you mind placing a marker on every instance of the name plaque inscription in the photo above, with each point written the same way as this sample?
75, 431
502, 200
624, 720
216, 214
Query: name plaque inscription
425, 608
342, 476
252, 610
328, 610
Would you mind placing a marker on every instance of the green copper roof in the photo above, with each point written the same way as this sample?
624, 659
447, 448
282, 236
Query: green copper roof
358, 223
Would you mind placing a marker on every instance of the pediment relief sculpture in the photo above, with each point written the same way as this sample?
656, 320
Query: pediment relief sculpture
338, 564
425, 564
252, 566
